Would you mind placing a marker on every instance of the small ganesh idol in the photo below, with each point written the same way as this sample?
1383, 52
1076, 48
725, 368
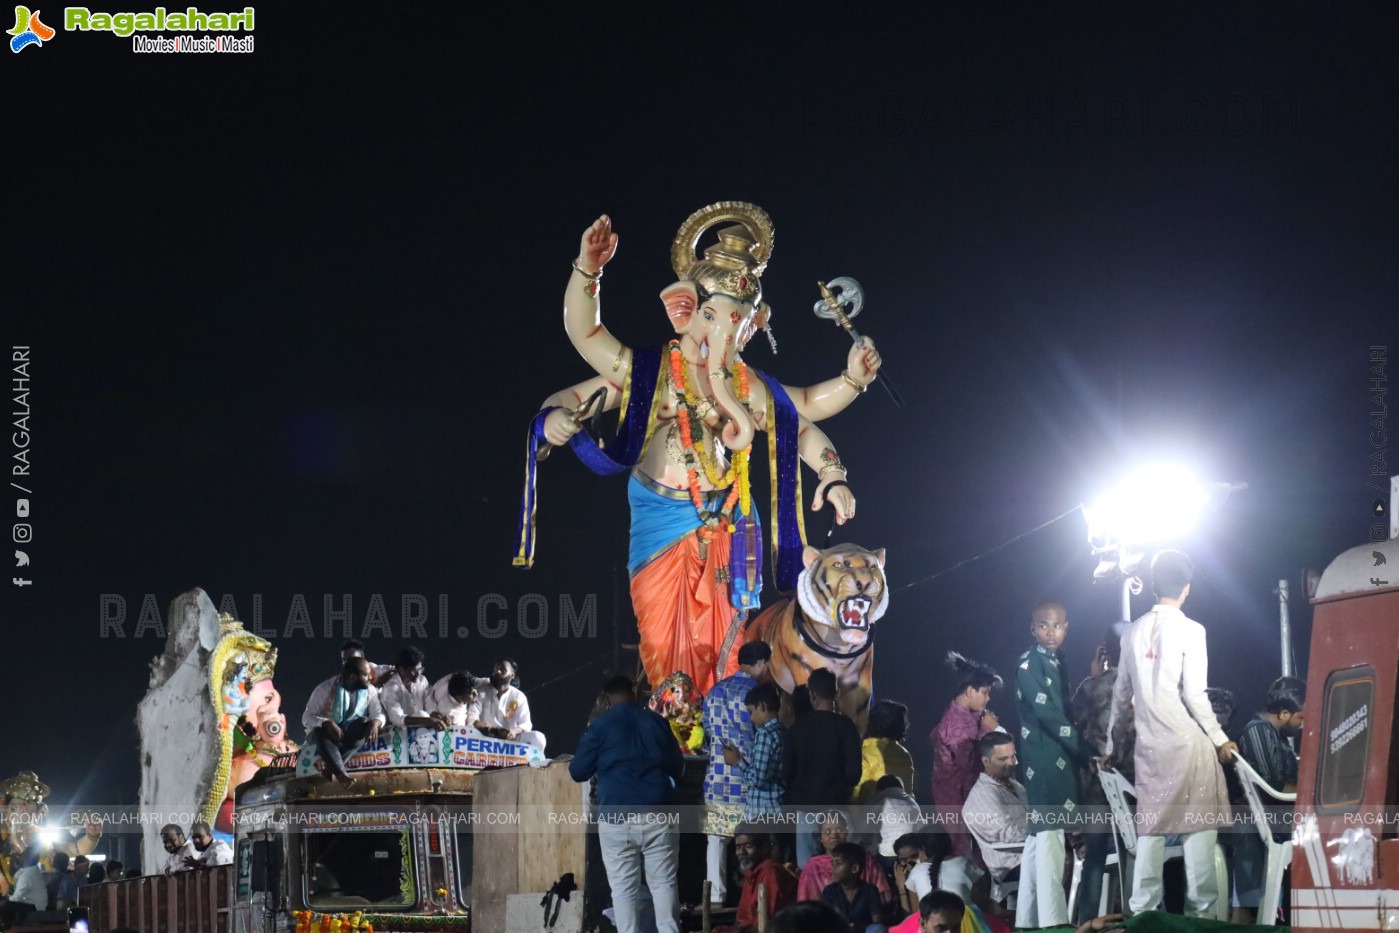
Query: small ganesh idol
689, 411
679, 704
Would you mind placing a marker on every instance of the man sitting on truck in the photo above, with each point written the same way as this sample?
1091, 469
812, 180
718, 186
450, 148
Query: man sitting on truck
180, 850
208, 851
404, 696
343, 712
504, 709
456, 699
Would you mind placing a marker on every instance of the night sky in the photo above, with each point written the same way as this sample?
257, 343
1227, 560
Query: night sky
290, 313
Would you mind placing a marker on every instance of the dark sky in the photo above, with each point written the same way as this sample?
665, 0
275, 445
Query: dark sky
291, 312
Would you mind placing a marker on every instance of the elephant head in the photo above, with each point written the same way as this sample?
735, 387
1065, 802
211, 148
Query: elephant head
717, 303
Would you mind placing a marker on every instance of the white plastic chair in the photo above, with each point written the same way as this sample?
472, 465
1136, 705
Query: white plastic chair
1118, 789
1279, 854
1002, 892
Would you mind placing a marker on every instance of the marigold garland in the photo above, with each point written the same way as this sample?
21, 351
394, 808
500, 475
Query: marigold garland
736, 478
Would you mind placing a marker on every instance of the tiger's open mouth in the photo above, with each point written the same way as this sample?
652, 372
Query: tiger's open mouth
855, 618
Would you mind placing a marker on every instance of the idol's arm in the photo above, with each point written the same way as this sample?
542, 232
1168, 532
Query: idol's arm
559, 426
821, 401
582, 303
817, 451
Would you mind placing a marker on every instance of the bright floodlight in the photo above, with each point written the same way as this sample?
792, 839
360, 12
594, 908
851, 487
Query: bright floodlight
48, 837
1154, 504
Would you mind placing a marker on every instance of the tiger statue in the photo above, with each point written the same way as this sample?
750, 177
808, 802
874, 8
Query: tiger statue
841, 593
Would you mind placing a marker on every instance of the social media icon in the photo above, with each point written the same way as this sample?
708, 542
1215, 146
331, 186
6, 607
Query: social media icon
23, 533
21, 508
21, 559
21, 582
1378, 508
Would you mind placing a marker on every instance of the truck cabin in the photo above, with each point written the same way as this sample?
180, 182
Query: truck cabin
1345, 856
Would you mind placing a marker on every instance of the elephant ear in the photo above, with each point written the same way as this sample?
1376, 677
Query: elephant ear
680, 300
756, 322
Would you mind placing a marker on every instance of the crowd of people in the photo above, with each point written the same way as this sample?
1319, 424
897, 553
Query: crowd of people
815, 815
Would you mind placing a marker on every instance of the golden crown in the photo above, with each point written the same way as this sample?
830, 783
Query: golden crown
734, 266
25, 786
262, 667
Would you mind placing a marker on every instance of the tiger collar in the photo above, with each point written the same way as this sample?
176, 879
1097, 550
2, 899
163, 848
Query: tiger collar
812, 609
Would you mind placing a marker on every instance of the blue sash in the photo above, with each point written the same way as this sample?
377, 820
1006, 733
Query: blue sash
641, 385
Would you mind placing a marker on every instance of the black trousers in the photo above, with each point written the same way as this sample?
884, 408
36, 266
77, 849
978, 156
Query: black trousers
332, 752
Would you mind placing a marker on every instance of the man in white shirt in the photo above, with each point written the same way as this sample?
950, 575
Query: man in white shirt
504, 709
1162, 675
456, 699
172, 837
343, 712
997, 808
208, 850
404, 696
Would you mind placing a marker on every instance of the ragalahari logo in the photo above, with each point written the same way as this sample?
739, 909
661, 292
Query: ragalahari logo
29, 30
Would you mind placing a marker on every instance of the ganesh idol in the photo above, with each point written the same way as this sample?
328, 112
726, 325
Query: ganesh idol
689, 413
24, 812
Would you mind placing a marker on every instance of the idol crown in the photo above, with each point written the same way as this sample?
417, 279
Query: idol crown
734, 266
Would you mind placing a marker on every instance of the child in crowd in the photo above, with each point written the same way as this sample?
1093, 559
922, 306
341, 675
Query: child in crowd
855, 899
956, 760
937, 869
816, 873
882, 752
761, 767
897, 812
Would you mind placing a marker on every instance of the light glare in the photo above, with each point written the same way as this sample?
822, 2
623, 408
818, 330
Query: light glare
1154, 504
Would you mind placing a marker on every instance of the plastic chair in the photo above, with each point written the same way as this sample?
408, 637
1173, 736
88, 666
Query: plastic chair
1118, 789
1002, 892
1278, 854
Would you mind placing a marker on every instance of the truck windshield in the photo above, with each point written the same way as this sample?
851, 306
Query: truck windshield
353, 870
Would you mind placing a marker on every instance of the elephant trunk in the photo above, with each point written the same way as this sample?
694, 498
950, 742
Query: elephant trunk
739, 428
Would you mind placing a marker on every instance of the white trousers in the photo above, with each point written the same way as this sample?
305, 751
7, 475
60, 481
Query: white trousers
717, 868
1201, 881
1040, 900
640, 856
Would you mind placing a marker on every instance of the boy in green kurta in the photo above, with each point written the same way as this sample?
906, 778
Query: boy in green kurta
1050, 754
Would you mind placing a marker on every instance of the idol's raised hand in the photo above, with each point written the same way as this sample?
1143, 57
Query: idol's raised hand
863, 362
598, 246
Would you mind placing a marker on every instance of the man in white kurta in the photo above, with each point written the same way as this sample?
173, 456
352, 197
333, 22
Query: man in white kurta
404, 696
456, 699
504, 709
1180, 784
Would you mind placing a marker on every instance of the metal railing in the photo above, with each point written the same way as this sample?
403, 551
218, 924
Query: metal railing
186, 902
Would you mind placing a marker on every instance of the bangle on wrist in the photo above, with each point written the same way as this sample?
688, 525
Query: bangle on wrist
590, 276
831, 468
850, 381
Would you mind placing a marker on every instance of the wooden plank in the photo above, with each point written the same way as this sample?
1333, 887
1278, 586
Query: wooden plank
548, 849
494, 865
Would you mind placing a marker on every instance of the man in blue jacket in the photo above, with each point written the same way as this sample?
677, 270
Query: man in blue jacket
638, 763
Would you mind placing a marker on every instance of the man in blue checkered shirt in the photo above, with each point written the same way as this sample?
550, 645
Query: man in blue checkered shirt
762, 766
726, 724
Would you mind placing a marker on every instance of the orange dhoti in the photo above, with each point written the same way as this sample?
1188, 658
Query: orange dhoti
681, 600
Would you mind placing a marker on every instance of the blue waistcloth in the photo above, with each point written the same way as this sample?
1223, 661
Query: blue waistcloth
634, 755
